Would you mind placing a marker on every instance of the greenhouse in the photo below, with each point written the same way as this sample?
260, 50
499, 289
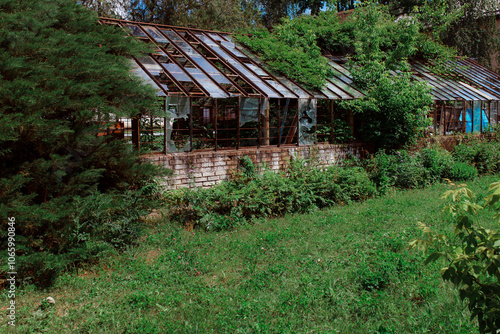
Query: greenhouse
218, 95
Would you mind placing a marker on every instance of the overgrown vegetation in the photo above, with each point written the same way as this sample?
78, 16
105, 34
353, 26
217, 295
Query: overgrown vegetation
294, 47
344, 269
303, 188
379, 48
471, 257
307, 186
419, 169
371, 36
64, 79
481, 153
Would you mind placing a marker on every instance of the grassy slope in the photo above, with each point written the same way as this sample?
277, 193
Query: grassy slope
341, 270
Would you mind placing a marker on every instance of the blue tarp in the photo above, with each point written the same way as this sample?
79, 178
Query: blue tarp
477, 125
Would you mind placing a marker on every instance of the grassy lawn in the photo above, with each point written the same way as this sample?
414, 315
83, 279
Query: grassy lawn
340, 270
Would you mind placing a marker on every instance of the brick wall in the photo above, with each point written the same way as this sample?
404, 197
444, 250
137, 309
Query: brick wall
206, 168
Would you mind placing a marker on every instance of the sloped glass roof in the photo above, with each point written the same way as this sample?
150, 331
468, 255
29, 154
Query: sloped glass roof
200, 63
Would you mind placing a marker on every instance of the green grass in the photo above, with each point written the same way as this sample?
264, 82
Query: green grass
340, 270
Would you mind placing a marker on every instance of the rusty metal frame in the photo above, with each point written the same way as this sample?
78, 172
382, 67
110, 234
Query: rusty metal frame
167, 73
151, 76
235, 85
191, 61
226, 64
173, 60
253, 62
475, 85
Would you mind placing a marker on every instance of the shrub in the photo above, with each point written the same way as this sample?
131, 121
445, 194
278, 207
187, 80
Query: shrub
472, 257
411, 174
397, 170
461, 171
485, 156
74, 194
437, 161
403, 170
303, 188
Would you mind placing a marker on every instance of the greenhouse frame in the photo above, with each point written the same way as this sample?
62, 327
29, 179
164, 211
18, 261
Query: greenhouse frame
218, 95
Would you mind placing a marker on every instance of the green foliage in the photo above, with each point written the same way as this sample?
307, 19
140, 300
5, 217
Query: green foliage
474, 33
438, 162
293, 47
295, 274
461, 171
247, 167
269, 194
393, 111
341, 131
484, 155
404, 170
63, 79
395, 107
223, 15
472, 257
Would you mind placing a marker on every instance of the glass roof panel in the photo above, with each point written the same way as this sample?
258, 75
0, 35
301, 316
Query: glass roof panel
338, 91
212, 88
211, 70
197, 58
151, 65
136, 31
177, 72
296, 89
138, 71
244, 71
257, 70
217, 37
330, 95
345, 87
156, 34
280, 88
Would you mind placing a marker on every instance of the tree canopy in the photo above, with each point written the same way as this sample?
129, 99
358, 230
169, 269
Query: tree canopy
378, 46
63, 79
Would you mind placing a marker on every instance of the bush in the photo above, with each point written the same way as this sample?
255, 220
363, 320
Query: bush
485, 156
74, 194
437, 161
303, 188
461, 171
472, 256
400, 170
403, 170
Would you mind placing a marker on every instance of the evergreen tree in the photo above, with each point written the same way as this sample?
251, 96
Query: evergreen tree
107, 8
224, 15
63, 79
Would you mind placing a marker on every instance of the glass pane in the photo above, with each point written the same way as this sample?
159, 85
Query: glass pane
241, 68
212, 88
330, 95
177, 72
494, 113
156, 35
296, 89
476, 117
151, 65
354, 93
307, 121
177, 124
216, 37
136, 31
249, 109
138, 71
338, 91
